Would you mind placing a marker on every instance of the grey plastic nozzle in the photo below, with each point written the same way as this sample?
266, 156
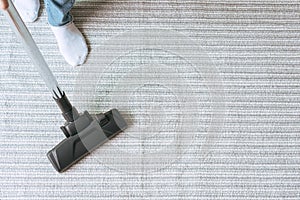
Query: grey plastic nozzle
84, 134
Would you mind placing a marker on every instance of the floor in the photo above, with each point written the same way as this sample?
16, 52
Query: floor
209, 89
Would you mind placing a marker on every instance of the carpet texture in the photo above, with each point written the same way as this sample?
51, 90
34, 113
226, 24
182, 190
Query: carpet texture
210, 90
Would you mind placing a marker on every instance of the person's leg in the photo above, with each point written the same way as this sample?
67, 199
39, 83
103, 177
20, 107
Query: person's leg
28, 9
59, 11
71, 43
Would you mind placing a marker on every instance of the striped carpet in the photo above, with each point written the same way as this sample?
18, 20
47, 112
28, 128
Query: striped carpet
210, 90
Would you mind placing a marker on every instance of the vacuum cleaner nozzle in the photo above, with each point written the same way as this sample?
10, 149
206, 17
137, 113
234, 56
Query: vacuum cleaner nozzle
84, 133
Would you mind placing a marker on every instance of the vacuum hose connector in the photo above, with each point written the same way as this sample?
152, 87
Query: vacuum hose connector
69, 112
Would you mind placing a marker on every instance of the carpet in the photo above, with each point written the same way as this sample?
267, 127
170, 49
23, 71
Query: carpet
210, 91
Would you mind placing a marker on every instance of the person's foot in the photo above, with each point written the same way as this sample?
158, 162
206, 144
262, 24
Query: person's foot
71, 43
28, 9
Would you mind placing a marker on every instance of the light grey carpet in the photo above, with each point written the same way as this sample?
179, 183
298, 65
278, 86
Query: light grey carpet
210, 90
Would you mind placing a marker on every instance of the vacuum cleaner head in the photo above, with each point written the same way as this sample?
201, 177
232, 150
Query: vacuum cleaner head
84, 134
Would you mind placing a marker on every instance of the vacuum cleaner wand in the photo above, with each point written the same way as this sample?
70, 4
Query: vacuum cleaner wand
84, 132
31, 48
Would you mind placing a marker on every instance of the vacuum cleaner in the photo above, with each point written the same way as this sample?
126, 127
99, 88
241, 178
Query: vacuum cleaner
84, 132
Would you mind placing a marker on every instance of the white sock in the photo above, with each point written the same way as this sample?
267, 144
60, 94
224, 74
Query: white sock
28, 9
71, 43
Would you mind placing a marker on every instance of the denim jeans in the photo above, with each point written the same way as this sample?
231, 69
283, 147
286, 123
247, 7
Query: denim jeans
59, 11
